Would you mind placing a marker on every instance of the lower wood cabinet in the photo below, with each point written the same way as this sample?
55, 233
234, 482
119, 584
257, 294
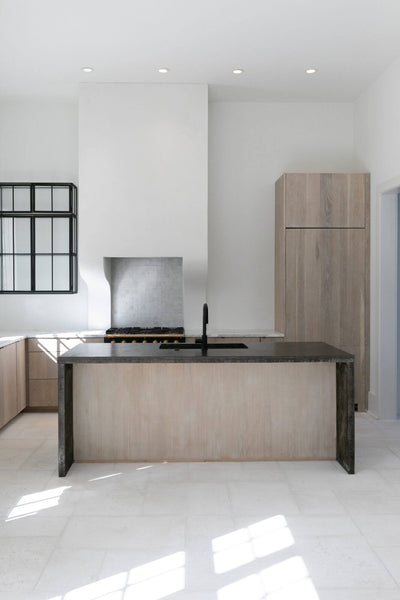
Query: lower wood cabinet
28, 374
12, 381
21, 375
43, 353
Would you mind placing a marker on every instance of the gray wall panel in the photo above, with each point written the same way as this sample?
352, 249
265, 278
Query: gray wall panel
145, 292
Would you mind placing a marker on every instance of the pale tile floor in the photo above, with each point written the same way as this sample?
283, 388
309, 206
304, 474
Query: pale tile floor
198, 531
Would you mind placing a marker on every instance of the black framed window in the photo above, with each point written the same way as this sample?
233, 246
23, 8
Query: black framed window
38, 238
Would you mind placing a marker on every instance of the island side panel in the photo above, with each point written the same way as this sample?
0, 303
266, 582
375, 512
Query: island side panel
65, 419
345, 415
214, 411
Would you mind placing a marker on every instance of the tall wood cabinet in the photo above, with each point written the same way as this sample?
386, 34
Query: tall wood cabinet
322, 264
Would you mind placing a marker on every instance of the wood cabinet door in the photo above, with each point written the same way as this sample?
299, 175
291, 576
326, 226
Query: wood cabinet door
21, 374
8, 383
325, 286
326, 199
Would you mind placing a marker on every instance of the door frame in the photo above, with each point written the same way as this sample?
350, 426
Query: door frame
384, 320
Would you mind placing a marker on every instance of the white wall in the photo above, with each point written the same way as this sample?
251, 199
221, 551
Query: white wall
143, 184
251, 145
377, 147
39, 142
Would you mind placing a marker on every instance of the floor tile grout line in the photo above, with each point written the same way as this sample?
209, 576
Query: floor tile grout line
371, 547
336, 492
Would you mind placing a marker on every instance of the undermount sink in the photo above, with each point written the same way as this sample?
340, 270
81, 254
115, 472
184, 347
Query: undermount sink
212, 346
202, 343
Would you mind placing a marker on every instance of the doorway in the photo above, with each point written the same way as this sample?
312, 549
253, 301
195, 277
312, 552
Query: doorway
387, 403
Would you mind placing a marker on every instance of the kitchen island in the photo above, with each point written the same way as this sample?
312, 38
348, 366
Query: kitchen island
268, 401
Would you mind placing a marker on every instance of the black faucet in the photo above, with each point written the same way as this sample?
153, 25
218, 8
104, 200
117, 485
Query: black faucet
205, 321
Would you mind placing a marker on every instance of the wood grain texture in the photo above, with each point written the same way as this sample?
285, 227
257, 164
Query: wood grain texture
326, 290
42, 392
8, 383
280, 260
325, 286
181, 411
21, 375
325, 199
42, 366
326, 294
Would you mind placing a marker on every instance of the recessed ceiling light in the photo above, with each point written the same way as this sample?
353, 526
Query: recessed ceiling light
87, 69
237, 71
311, 71
163, 70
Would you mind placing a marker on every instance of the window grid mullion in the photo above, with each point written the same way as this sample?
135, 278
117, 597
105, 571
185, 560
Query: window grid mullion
52, 247
33, 256
33, 215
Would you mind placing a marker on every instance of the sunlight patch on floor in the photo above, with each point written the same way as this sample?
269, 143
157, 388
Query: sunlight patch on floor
248, 543
151, 581
105, 477
31, 504
287, 580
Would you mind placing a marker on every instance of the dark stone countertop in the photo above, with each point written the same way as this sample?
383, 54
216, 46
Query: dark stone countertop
269, 352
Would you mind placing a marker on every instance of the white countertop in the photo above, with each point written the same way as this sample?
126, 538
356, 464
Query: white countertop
234, 333
7, 337
10, 337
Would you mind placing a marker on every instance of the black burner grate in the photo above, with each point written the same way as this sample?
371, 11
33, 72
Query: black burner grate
145, 334
145, 331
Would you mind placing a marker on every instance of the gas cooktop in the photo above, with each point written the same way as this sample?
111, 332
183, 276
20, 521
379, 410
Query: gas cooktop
144, 334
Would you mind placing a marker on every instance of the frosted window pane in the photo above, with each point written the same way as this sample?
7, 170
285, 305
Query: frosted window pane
6, 273
22, 273
6, 197
43, 273
42, 198
22, 198
43, 235
6, 241
61, 235
22, 235
61, 273
61, 198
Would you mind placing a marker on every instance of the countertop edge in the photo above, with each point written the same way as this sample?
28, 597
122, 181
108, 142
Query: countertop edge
266, 352
203, 359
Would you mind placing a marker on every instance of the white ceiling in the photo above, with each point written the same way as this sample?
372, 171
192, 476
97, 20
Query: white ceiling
44, 44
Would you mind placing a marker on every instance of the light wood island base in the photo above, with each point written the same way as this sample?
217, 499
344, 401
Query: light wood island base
145, 412
271, 401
